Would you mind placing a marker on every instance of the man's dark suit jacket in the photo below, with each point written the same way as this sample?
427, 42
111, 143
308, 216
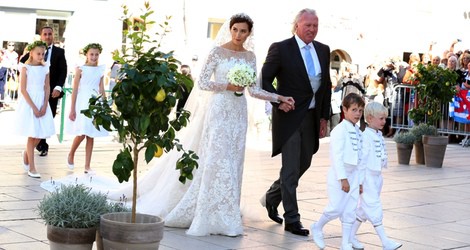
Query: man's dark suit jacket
58, 68
284, 62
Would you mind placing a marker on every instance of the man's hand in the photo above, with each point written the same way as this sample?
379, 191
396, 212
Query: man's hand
285, 107
55, 93
287, 103
323, 127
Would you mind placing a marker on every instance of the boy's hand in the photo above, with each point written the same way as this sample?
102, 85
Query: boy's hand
345, 185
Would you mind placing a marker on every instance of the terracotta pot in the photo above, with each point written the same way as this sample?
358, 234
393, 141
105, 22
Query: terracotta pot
419, 153
118, 232
434, 150
404, 153
70, 238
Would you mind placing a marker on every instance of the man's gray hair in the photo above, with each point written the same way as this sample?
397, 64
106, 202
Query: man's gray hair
297, 17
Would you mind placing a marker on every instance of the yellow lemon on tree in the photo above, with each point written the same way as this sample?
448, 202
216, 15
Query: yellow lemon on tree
159, 151
160, 95
429, 112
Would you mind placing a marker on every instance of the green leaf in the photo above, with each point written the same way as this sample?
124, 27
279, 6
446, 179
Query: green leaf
150, 152
123, 166
144, 123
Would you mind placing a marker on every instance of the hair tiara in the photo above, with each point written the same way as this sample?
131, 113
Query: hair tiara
92, 46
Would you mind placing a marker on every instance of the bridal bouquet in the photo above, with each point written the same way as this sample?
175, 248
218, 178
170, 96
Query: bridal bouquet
241, 75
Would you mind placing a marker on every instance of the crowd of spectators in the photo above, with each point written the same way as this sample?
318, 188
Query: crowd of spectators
379, 80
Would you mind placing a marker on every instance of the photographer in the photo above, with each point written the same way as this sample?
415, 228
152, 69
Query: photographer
351, 81
390, 75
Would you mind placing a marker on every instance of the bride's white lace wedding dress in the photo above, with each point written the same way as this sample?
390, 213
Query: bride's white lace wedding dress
210, 203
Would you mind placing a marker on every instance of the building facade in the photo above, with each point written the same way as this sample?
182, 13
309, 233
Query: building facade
356, 34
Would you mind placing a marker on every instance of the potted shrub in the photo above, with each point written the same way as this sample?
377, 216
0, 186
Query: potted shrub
144, 97
404, 141
72, 215
436, 88
419, 131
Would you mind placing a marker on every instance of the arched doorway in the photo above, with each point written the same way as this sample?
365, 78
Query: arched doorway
337, 59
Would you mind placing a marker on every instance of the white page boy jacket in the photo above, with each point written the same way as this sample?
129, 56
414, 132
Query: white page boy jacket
345, 151
374, 157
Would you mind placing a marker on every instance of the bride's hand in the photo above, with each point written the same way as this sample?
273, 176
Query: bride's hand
287, 100
235, 88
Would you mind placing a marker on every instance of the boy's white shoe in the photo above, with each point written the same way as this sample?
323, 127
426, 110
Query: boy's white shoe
347, 247
391, 245
356, 245
317, 236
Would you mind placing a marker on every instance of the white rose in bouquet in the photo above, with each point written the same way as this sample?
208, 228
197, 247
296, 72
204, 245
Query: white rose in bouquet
241, 75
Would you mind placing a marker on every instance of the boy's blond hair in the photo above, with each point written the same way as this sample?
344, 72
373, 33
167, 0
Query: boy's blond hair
374, 109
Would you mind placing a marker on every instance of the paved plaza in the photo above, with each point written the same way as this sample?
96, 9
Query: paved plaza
424, 208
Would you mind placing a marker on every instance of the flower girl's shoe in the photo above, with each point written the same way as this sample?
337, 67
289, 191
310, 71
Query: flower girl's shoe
90, 172
70, 166
34, 175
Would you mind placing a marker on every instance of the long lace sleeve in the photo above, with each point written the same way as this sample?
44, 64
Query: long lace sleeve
257, 92
208, 69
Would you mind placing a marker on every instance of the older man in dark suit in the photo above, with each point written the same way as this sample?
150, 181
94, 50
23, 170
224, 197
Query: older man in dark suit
57, 75
302, 69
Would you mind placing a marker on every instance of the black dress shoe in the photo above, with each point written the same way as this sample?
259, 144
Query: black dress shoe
296, 228
43, 153
273, 214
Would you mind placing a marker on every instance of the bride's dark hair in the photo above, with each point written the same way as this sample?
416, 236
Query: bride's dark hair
224, 35
241, 18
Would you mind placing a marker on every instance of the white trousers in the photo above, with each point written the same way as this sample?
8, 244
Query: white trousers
340, 203
370, 206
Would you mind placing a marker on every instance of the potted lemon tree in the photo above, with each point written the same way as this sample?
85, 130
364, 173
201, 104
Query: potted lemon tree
144, 97
435, 89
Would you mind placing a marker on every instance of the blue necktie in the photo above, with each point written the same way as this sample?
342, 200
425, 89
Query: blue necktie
309, 61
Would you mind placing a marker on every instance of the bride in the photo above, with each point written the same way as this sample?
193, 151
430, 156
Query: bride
210, 203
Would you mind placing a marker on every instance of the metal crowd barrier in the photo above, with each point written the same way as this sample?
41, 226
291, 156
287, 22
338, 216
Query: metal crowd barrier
403, 99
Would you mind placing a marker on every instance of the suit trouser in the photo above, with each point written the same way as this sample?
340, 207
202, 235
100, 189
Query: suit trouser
297, 154
42, 145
